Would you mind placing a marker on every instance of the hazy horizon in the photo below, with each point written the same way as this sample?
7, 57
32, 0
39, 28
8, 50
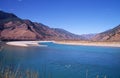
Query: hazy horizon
75, 16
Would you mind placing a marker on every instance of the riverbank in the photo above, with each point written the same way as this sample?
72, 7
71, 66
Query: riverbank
89, 43
25, 43
85, 43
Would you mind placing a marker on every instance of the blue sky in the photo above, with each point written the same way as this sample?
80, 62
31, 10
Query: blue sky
76, 16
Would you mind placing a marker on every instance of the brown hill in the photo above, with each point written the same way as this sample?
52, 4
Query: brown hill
14, 28
109, 35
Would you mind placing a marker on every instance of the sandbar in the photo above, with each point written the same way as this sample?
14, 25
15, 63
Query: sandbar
25, 43
84, 43
89, 43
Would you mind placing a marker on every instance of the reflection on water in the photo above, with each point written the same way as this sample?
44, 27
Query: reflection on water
64, 61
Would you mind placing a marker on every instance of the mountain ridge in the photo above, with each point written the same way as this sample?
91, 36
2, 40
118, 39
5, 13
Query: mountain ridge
109, 35
14, 28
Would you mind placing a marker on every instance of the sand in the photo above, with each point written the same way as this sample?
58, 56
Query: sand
25, 43
85, 43
89, 43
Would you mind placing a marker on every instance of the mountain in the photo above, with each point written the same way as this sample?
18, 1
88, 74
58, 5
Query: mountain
15, 28
109, 35
87, 36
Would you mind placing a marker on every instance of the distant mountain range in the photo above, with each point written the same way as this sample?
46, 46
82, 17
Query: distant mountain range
14, 28
109, 35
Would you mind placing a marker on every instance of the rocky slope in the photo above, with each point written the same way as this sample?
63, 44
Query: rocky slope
109, 35
14, 28
87, 36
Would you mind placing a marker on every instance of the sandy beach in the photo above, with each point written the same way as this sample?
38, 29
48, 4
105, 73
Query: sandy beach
25, 43
89, 43
85, 43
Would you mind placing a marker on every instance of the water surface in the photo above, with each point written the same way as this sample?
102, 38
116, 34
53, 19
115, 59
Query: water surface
65, 61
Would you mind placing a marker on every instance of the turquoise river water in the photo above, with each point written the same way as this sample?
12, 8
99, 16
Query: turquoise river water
65, 61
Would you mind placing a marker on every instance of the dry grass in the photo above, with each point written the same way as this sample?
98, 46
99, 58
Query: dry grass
8, 73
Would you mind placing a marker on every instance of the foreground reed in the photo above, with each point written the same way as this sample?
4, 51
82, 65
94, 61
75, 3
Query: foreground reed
7, 73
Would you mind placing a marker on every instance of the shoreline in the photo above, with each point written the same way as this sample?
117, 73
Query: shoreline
81, 43
25, 43
90, 43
